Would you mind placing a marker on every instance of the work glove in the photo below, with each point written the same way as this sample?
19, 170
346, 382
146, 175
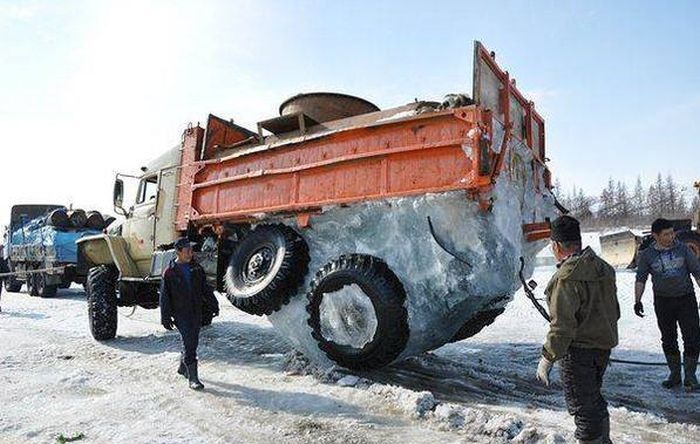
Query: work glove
167, 324
543, 369
639, 309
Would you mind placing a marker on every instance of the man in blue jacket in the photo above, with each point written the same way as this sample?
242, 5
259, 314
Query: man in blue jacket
184, 292
671, 263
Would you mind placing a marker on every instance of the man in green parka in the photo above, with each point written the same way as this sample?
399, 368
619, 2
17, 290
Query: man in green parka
582, 299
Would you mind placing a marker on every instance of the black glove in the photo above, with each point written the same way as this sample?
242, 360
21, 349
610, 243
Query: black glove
167, 324
639, 309
216, 312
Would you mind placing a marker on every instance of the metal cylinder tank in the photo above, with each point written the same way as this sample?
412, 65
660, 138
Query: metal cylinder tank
325, 106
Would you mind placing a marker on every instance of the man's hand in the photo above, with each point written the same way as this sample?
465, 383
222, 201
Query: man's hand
216, 312
543, 369
167, 324
639, 309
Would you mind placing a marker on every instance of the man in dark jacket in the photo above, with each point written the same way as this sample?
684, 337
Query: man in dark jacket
582, 299
184, 292
671, 263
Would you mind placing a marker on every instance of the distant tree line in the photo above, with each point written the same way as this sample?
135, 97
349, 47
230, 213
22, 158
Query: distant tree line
618, 205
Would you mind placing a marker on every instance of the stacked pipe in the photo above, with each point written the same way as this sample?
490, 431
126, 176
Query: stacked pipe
95, 220
78, 219
58, 218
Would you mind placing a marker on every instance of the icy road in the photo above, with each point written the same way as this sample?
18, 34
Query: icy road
56, 380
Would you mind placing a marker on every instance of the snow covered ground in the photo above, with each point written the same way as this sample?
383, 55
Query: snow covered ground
56, 380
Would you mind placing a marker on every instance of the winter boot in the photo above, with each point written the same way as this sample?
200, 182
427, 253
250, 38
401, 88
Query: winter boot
690, 365
674, 364
606, 431
182, 369
604, 438
195, 384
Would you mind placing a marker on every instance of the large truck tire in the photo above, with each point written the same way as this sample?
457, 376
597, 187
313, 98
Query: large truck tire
102, 302
266, 268
692, 240
43, 289
12, 285
357, 313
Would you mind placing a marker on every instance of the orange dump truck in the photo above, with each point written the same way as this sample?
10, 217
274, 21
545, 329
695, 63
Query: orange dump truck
365, 235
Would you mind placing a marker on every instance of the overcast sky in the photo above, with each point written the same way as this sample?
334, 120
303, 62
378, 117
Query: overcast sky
88, 88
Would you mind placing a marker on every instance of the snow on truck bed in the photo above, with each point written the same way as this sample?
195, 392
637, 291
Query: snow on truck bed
57, 380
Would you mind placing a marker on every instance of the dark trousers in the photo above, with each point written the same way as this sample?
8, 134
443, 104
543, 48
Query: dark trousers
682, 312
190, 340
582, 371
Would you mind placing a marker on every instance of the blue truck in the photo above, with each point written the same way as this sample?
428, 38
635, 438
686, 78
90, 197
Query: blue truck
40, 248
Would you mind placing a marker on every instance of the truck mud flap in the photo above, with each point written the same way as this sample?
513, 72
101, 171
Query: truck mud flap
620, 249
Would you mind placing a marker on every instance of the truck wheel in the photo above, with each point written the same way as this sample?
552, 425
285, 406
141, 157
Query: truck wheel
102, 302
692, 240
42, 288
356, 312
12, 285
266, 268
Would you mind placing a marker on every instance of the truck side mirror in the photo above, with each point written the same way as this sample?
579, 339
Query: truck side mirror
118, 195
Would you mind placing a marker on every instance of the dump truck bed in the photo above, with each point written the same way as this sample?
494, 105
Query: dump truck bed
233, 175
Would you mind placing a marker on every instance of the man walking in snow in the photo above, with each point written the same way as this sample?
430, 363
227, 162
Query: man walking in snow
582, 299
670, 264
183, 293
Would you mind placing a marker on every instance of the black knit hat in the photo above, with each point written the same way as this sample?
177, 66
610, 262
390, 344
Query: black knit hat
565, 229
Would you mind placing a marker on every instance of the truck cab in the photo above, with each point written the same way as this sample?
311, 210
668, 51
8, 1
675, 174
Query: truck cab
148, 225
125, 263
149, 220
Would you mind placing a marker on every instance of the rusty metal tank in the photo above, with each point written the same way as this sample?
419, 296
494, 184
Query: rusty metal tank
326, 106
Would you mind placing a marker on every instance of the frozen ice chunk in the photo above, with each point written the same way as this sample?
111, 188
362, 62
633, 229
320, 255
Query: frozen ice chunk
348, 317
453, 259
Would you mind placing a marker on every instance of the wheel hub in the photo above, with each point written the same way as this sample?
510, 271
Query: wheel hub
259, 264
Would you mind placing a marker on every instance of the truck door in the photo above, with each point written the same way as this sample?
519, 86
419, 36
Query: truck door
140, 236
164, 228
